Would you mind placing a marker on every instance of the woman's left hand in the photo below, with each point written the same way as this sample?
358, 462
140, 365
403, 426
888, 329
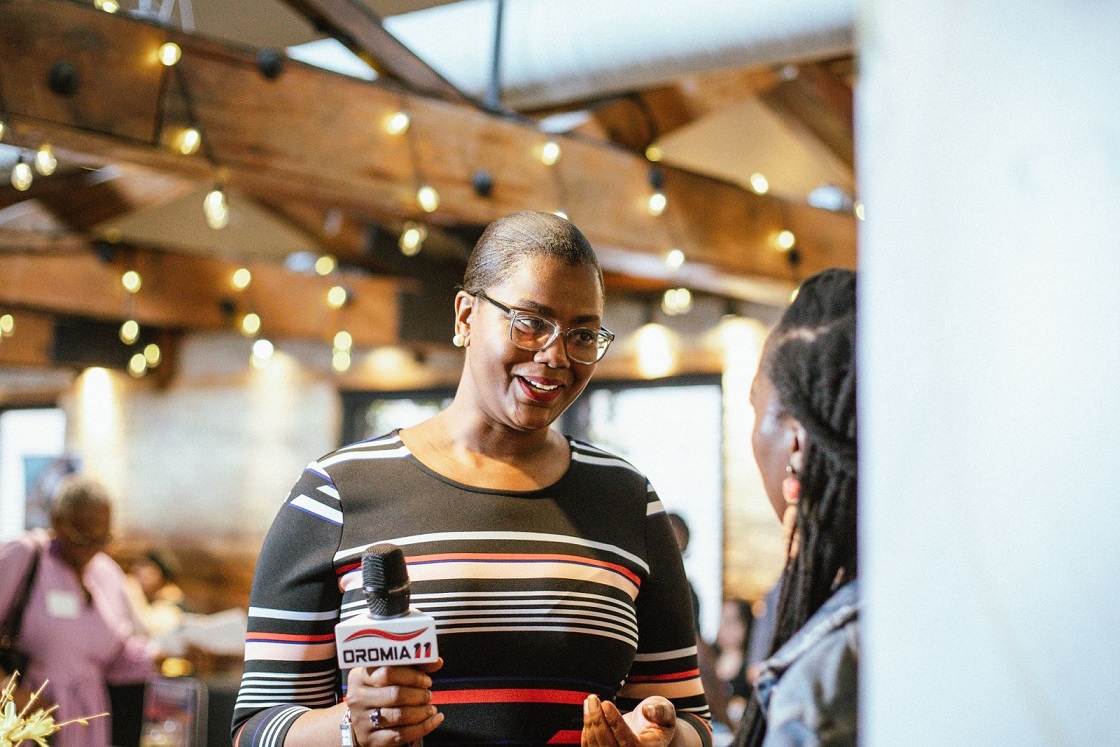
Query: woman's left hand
652, 724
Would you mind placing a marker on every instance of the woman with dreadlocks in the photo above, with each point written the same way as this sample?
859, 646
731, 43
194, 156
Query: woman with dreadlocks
804, 441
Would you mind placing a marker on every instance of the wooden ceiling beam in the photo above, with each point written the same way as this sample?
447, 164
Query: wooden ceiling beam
66, 276
817, 101
317, 137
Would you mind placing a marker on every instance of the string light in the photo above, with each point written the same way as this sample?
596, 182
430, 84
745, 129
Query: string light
428, 198
397, 123
325, 265
131, 281
658, 351
188, 141
653, 153
109, 6
130, 331
674, 259
550, 153
340, 360
859, 211
216, 208
412, 239
22, 176
138, 365
343, 340
676, 301
152, 354
241, 278
785, 240
7, 325
250, 324
169, 53
759, 183
262, 352
337, 297
657, 203
45, 162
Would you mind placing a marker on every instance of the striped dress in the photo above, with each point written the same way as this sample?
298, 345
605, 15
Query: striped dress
540, 598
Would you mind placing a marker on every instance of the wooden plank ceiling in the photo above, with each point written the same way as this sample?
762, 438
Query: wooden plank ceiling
312, 148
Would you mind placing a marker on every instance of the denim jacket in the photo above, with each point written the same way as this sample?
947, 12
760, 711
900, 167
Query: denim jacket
807, 689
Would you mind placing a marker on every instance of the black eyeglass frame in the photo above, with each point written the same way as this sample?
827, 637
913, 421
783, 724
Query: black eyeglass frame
557, 331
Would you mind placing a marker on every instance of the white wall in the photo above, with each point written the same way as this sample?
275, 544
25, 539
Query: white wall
989, 155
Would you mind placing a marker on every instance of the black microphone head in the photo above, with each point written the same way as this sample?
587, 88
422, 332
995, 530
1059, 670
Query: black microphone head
385, 580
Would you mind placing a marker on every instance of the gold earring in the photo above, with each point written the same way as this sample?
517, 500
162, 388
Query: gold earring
458, 340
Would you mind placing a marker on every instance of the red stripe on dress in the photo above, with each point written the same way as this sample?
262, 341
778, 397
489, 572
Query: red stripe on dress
288, 638
454, 697
567, 736
530, 558
671, 676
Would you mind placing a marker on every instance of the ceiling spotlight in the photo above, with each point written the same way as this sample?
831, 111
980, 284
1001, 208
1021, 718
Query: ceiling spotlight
45, 162
216, 208
550, 153
428, 198
169, 53
397, 123
262, 352
674, 259
412, 239
22, 176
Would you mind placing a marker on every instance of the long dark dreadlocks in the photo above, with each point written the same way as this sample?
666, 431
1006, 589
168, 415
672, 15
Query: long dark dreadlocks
811, 362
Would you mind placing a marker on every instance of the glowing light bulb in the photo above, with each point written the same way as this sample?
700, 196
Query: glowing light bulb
216, 208
343, 340
397, 123
657, 203
653, 153
337, 297
152, 354
325, 265
340, 360
137, 365
7, 325
169, 53
45, 162
109, 6
428, 198
658, 352
131, 281
188, 141
759, 183
550, 153
785, 240
861, 214
674, 259
412, 239
676, 301
130, 331
250, 324
22, 176
241, 278
262, 352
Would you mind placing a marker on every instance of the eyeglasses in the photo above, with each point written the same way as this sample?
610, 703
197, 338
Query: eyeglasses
79, 539
531, 332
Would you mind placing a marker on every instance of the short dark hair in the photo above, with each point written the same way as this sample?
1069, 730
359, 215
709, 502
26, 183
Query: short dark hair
76, 494
510, 240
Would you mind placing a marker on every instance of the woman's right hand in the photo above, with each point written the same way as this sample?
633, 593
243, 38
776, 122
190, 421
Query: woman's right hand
391, 705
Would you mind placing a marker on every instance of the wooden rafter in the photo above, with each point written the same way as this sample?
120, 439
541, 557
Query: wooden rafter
315, 137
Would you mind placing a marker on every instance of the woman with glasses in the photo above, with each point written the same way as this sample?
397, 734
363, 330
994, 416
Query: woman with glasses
560, 599
76, 624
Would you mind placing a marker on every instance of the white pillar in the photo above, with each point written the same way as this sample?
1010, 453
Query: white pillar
989, 159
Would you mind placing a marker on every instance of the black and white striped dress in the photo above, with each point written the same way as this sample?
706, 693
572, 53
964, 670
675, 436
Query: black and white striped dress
540, 597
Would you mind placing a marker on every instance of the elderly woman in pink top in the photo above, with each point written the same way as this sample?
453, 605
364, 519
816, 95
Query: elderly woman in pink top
77, 627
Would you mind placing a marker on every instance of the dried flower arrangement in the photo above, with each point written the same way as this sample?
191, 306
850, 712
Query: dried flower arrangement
27, 725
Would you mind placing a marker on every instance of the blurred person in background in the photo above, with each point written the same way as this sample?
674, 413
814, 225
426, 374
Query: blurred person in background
77, 627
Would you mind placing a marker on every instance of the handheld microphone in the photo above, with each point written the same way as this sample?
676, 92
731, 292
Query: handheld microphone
389, 633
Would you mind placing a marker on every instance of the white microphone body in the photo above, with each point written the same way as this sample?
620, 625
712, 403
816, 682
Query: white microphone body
403, 640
